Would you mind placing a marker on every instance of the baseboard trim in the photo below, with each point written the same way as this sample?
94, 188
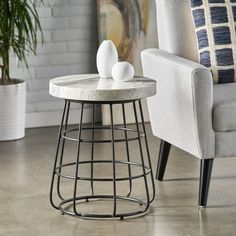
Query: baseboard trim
53, 118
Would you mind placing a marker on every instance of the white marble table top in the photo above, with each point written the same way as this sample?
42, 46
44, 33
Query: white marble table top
90, 87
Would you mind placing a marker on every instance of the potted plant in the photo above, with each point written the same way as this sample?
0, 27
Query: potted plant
19, 24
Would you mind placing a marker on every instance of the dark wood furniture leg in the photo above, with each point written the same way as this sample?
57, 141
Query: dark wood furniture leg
162, 160
204, 183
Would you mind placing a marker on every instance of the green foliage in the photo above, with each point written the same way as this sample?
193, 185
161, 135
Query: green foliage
19, 24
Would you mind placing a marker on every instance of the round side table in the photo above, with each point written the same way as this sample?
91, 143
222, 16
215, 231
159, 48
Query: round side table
90, 89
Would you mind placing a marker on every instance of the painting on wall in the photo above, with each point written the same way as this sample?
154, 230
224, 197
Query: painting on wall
131, 25
128, 23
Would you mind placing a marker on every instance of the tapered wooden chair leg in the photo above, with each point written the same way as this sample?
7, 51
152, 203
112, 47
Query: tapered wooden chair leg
205, 178
162, 160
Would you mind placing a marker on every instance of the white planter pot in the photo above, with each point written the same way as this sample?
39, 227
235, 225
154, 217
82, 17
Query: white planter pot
12, 110
107, 56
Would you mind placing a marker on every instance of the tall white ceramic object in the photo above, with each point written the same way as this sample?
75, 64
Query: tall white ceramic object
107, 56
122, 71
12, 111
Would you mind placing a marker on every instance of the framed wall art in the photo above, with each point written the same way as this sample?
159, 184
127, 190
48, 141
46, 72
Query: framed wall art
131, 25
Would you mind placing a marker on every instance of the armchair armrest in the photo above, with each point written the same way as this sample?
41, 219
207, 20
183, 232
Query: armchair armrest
181, 112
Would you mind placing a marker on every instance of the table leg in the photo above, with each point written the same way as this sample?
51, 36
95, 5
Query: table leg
147, 149
127, 150
77, 160
92, 149
62, 152
113, 161
65, 113
141, 156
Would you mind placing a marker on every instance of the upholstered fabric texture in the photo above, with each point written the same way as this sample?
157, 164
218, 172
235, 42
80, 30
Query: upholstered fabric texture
175, 27
181, 111
224, 109
214, 22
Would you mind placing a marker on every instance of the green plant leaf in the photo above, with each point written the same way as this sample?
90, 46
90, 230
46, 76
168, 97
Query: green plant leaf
19, 24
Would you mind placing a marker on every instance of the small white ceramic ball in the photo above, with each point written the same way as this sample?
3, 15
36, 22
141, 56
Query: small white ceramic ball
122, 71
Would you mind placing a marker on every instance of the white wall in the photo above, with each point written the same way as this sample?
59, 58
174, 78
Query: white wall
70, 31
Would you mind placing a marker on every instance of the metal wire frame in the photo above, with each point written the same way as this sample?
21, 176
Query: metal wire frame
59, 138
147, 171
83, 140
127, 149
62, 153
147, 149
66, 204
92, 149
142, 157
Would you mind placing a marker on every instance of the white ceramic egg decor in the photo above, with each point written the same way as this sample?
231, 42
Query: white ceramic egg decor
122, 71
107, 56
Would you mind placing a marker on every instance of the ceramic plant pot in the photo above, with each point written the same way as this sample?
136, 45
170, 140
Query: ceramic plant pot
107, 56
122, 71
12, 110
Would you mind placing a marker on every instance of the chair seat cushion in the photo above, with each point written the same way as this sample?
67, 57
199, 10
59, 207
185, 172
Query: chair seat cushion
224, 108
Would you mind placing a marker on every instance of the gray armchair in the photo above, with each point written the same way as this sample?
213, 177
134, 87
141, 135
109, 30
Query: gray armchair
189, 111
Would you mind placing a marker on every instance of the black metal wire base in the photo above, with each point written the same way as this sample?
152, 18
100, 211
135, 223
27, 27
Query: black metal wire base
99, 198
70, 206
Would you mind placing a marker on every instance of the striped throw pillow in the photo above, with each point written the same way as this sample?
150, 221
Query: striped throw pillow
215, 26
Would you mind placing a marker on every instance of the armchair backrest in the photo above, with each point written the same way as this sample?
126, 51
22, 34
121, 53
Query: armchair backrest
175, 28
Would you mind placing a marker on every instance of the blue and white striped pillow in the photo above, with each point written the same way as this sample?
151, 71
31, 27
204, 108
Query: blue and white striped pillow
215, 25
